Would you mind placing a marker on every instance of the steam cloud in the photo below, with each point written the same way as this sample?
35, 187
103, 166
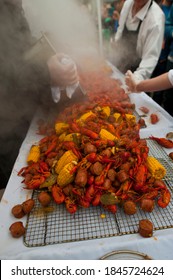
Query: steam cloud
71, 29
69, 25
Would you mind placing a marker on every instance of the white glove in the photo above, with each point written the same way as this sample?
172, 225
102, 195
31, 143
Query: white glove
56, 94
63, 72
131, 82
70, 89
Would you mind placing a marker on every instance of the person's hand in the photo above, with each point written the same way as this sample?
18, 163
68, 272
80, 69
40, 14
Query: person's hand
62, 75
131, 82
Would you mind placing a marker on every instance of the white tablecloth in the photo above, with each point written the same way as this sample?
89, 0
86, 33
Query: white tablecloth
160, 246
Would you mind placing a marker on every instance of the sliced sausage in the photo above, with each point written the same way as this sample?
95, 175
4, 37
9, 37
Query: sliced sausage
96, 168
145, 228
111, 174
147, 205
129, 207
44, 198
28, 205
81, 177
17, 229
89, 148
17, 211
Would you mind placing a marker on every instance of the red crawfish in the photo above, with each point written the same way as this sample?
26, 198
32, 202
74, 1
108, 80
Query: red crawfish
70, 205
111, 208
140, 177
166, 143
34, 182
89, 133
57, 194
165, 195
70, 145
90, 193
96, 199
164, 198
34, 174
154, 118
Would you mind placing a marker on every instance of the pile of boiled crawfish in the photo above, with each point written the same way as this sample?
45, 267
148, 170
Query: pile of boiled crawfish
107, 172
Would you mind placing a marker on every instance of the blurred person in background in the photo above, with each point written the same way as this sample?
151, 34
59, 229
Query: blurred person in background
138, 40
115, 17
107, 23
167, 95
110, 22
161, 65
118, 4
24, 85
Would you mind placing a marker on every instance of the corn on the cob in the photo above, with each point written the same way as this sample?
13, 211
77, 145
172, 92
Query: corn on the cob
114, 150
66, 176
62, 136
130, 117
61, 127
104, 134
66, 158
71, 136
34, 154
85, 116
116, 116
106, 110
156, 169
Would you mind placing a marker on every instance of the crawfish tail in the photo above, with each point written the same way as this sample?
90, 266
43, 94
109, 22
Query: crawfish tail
164, 199
166, 143
89, 133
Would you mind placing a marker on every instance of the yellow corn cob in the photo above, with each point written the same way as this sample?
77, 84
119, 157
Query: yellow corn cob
106, 110
62, 136
85, 116
104, 134
66, 176
61, 127
34, 154
66, 158
156, 169
130, 117
116, 116
71, 136
114, 150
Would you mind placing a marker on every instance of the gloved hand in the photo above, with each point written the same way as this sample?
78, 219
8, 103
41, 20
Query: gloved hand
62, 74
131, 82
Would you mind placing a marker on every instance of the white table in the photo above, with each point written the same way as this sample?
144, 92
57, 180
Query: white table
160, 246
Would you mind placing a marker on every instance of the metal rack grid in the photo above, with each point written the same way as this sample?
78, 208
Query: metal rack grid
59, 226
55, 225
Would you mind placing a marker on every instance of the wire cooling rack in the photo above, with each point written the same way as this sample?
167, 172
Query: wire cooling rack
54, 224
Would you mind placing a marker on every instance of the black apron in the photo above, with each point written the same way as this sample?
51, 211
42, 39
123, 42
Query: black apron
130, 59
